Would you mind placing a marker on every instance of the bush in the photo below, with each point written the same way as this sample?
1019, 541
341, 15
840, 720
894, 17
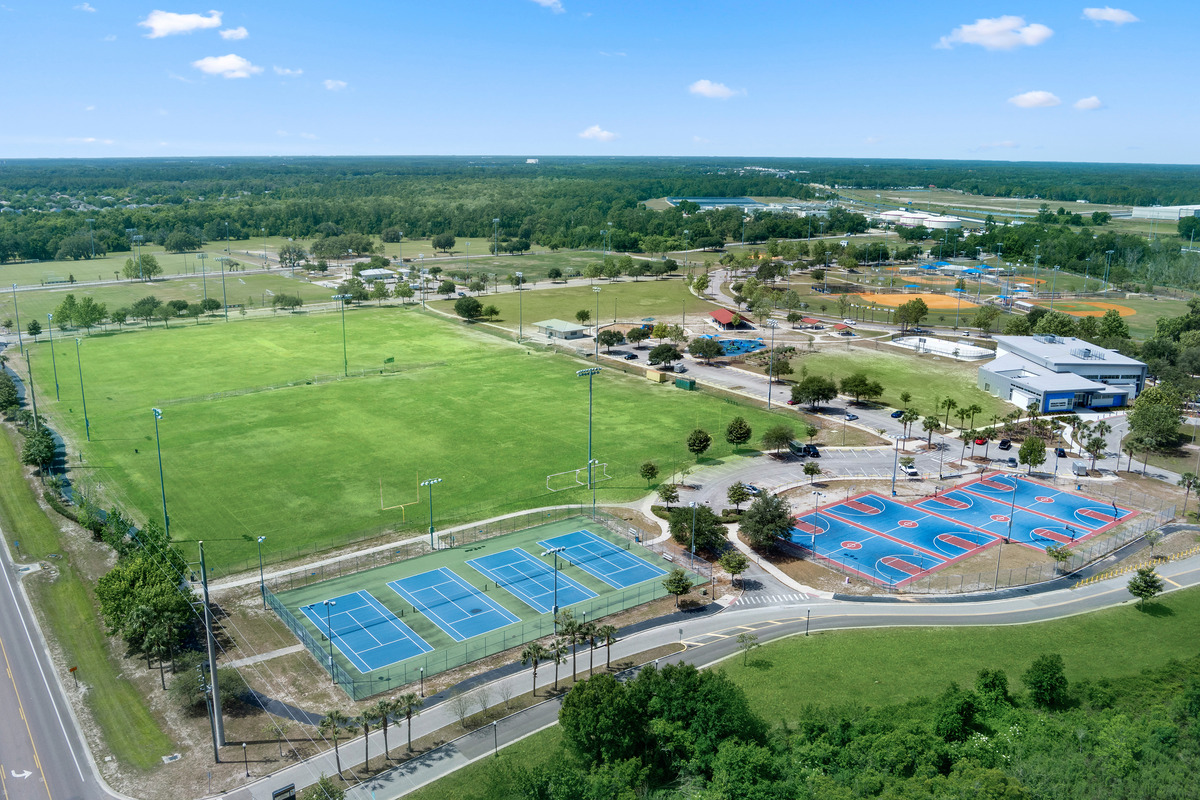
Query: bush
185, 684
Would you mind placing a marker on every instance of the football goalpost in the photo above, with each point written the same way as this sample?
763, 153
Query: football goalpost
400, 506
599, 474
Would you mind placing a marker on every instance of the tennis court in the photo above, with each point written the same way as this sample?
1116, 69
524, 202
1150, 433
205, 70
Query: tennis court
531, 580
604, 560
365, 632
454, 605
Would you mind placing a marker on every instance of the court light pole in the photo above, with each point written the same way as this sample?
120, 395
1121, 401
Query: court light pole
161, 483
520, 306
1053, 284
16, 311
203, 272
590, 372
554, 551
87, 426
224, 298
771, 361
1012, 507
53, 360
422, 681
342, 298
496, 237
692, 550
895, 465
1107, 265
430, 484
817, 511
596, 292
329, 630
262, 585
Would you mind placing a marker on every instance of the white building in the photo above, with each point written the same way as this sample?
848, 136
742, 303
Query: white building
1167, 213
1059, 373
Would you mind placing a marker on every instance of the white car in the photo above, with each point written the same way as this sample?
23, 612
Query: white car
910, 472
849, 322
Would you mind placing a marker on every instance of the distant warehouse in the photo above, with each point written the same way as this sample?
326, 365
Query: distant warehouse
1167, 213
1060, 373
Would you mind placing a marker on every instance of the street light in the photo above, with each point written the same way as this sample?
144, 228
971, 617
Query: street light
262, 586
246, 759
224, 298
342, 298
430, 484
596, 291
203, 272
895, 465
1011, 511
771, 361
1107, 264
817, 511
554, 610
520, 307
87, 426
53, 360
692, 552
16, 311
161, 484
496, 237
1053, 284
590, 372
329, 630
495, 741
264, 233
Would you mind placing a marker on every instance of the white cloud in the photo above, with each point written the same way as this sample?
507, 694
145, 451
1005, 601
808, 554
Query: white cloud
701, 140
873, 139
612, 55
112, 37
88, 140
597, 133
554, 5
334, 86
288, 73
307, 135
717, 91
1007, 143
1088, 103
85, 7
230, 66
168, 23
1117, 16
234, 34
89, 108
1035, 99
1000, 33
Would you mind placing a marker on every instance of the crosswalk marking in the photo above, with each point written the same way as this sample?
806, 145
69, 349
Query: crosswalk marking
771, 599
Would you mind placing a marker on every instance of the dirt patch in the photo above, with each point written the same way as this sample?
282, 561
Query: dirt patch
939, 302
1099, 309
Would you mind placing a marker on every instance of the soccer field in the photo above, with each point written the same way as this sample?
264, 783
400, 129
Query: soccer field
245, 454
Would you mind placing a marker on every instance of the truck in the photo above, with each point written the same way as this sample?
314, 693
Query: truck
1079, 468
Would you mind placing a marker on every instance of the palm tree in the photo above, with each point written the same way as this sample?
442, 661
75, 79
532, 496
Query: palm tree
608, 635
1188, 481
909, 416
382, 711
962, 415
558, 654
569, 627
587, 633
405, 706
363, 722
1032, 411
157, 642
331, 726
930, 424
905, 398
972, 410
949, 404
534, 652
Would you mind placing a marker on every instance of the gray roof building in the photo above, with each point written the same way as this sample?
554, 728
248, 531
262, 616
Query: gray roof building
1060, 373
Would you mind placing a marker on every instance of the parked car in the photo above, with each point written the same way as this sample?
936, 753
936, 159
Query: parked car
1060, 452
1012, 462
897, 414
849, 322
1005, 444
680, 368
981, 440
851, 417
753, 490
631, 356
811, 451
910, 472
793, 401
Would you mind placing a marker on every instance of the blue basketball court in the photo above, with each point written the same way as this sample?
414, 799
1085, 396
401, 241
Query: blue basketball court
365, 632
530, 580
894, 543
602, 559
452, 604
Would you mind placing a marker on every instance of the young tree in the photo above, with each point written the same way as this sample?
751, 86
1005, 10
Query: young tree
1046, 681
1145, 585
705, 348
812, 469
698, 442
668, 494
1032, 453
380, 292
648, 471
767, 518
583, 316
738, 432
738, 494
1061, 555
778, 437
34, 328
734, 562
905, 398
677, 583
324, 789
747, 642
610, 338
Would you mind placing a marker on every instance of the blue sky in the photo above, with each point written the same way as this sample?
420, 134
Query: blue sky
1044, 81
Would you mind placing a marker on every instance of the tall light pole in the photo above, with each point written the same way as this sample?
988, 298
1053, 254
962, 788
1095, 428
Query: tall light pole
692, 551
771, 361
554, 609
430, 484
264, 235
496, 237
817, 511
685, 244
262, 585
342, 298
32, 391
468, 260
1053, 284
53, 360
329, 630
1107, 266
87, 426
16, 311
161, 483
520, 307
130, 232
203, 272
1011, 511
400, 248
91, 235
895, 465
596, 291
590, 372
958, 292
224, 298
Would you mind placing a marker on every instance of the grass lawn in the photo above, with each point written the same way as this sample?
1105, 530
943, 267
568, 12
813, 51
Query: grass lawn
624, 300
249, 290
485, 777
1146, 309
927, 378
129, 730
245, 454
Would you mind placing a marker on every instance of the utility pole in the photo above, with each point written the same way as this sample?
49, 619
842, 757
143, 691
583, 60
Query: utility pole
218, 723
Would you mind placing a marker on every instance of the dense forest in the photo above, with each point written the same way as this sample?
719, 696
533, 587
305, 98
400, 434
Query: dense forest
676, 732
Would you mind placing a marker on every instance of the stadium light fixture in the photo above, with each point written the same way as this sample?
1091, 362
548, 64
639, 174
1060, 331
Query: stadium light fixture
17, 312
554, 551
161, 483
590, 372
342, 298
430, 484
262, 585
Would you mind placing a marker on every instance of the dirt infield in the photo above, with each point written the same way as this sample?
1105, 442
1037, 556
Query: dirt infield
939, 302
1091, 309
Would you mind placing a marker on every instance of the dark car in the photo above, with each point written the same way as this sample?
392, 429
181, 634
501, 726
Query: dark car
1060, 452
811, 451
897, 414
1005, 444
631, 356
1012, 462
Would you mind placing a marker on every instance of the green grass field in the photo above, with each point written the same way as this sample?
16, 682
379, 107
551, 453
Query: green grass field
624, 300
926, 377
245, 454
448, 653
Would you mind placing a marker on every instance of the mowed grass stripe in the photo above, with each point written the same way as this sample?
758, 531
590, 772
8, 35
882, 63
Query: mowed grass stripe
301, 464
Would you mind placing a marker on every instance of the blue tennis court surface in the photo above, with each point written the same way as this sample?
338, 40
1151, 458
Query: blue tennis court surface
365, 632
894, 543
530, 580
452, 604
602, 559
